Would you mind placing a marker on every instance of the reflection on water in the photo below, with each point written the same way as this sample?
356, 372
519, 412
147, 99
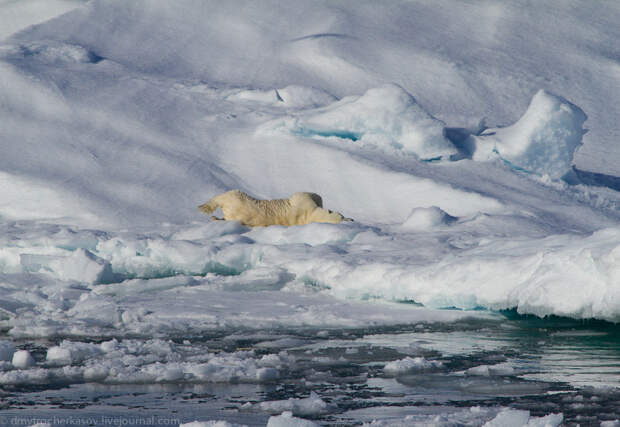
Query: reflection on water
462, 373
582, 354
557, 350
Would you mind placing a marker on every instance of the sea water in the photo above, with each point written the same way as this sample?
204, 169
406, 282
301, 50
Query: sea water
463, 373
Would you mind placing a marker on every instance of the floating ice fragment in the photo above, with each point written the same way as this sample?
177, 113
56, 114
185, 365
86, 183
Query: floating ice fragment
58, 356
286, 419
409, 364
543, 141
22, 359
509, 418
69, 352
520, 418
491, 370
312, 405
109, 346
551, 420
96, 373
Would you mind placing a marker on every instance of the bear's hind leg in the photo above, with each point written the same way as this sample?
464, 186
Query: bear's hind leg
209, 207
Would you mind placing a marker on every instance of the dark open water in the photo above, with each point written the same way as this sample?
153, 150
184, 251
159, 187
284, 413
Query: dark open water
540, 365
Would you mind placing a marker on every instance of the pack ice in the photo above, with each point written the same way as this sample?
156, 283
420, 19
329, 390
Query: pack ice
115, 127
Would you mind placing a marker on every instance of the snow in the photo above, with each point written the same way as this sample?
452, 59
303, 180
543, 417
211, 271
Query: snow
543, 141
421, 219
387, 118
126, 275
454, 141
290, 97
17, 15
469, 66
80, 265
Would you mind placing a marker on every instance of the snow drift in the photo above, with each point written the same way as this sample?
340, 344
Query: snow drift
387, 118
542, 141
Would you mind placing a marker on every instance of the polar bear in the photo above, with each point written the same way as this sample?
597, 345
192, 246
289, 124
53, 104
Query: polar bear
299, 209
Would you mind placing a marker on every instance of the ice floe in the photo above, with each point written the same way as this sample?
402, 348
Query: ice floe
409, 364
511, 417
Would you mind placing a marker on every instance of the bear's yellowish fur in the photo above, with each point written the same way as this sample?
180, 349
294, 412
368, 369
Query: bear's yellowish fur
299, 209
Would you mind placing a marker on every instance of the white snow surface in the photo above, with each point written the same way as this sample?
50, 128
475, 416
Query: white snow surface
386, 118
17, 15
424, 219
119, 118
462, 61
542, 141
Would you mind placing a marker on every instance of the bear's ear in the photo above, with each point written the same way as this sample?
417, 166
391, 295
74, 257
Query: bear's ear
316, 199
